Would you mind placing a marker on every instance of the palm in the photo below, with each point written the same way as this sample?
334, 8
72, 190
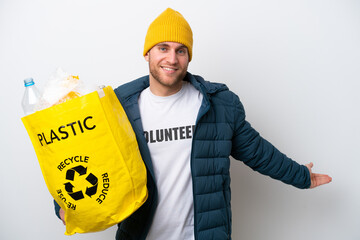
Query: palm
316, 178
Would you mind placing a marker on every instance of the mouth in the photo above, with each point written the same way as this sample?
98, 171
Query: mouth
169, 69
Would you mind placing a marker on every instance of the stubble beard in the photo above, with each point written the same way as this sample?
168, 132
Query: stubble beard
154, 72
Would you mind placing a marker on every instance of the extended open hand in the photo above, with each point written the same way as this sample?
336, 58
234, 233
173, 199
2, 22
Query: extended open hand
316, 178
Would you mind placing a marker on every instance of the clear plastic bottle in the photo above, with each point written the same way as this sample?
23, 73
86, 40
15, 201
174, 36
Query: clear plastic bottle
31, 96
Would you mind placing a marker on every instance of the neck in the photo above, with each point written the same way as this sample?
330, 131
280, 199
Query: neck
163, 90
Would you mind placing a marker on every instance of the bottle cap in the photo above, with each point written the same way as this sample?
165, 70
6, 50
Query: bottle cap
29, 82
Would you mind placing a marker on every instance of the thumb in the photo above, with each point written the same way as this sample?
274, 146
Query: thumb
309, 166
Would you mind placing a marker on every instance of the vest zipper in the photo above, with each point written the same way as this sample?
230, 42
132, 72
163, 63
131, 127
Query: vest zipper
201, 114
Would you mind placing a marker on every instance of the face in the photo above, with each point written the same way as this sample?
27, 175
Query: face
168, 62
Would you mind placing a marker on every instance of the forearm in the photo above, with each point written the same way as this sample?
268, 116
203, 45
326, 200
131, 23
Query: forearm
57, 209
263, 157
269, 161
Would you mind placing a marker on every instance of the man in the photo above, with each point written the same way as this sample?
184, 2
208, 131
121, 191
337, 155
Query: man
186, 129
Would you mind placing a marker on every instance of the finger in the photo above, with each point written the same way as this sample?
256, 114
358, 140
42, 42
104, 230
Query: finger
62, 215
320, 179
320, 174
323, 177
310, 165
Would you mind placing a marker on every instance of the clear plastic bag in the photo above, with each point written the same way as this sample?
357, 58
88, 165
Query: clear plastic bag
62, 87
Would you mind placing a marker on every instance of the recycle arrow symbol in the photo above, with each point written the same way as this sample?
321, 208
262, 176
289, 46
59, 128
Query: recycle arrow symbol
94, 181
70, 174
91, 178
75, 195
69, 187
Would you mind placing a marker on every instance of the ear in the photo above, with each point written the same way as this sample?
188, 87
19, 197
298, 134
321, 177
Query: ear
147, 56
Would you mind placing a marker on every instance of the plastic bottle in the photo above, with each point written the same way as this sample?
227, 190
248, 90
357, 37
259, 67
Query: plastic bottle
31, 96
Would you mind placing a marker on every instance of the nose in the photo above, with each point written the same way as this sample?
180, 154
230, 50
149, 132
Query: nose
172, 57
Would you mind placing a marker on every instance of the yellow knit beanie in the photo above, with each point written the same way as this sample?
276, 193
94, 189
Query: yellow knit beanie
169, 26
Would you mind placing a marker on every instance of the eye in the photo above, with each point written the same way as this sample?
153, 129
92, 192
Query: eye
162, 49
182, 51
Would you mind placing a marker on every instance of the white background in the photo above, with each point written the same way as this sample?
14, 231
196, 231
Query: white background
294, 64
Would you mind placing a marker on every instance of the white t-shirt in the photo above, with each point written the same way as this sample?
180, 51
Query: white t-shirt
168, 124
